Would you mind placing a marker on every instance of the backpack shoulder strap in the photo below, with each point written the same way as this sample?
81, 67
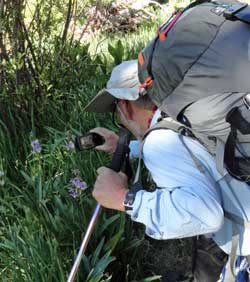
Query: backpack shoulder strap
164, 123
167, 123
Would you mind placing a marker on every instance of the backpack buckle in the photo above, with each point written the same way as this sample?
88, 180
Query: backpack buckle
229, 13
246, 101
143, 87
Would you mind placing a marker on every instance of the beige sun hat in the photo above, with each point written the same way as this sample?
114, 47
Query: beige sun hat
123, 85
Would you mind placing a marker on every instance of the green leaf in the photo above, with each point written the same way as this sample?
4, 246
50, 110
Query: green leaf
99, 268
117, 52
27, 178
149, 279
109, 221
39, 192
153, 278
111, 244
97, 252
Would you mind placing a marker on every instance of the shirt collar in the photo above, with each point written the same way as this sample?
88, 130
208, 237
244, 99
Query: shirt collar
155, 118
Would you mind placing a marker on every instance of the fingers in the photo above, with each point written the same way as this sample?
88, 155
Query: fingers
102, 170
105, 171
106, 133
110, 137
124, 176
108, 172
109, 189
102, 131
105, 148
101, 148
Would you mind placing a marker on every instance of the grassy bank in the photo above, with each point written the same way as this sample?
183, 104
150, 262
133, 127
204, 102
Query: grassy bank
45, 185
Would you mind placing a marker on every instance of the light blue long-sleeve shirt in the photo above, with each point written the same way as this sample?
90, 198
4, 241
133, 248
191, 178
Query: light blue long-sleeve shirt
187, 202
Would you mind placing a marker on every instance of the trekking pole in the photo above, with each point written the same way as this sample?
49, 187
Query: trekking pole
121, 152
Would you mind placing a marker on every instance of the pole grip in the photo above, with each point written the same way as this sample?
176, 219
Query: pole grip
122, 150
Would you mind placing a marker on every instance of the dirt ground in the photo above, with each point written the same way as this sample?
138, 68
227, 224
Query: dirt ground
167, 256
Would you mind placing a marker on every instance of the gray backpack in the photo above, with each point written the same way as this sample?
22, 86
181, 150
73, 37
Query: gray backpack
197, 71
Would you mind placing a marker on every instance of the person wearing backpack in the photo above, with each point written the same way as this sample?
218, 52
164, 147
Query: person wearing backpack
192, 198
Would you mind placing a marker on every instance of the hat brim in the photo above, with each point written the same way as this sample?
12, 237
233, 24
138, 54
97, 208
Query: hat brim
104, 101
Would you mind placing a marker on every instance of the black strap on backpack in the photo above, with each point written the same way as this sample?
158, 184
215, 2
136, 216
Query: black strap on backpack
239, 11
237, 167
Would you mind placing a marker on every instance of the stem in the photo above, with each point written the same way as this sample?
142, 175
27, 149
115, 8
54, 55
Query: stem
34, 69
2, 47
68, 19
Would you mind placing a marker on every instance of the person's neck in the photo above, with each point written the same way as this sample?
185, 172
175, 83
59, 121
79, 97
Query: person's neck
154, 109
146, 119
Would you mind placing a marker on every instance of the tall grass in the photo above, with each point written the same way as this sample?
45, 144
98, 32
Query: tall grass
42, 226
46, 80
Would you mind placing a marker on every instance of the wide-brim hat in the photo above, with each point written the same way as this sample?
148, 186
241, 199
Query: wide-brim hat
122, 85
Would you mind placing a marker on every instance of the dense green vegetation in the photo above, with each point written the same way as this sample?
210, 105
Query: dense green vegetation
46, 79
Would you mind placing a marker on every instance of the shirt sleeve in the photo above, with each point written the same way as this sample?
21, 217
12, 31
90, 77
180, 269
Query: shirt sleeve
186, 202
134, 147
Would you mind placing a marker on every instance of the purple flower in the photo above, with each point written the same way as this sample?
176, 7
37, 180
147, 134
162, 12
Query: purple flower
36, 146
74, 194
70, 146
77, 186
78, 183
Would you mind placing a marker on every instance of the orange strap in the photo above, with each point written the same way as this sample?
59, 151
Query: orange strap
147, 82
163, 31
141, 59
162, 36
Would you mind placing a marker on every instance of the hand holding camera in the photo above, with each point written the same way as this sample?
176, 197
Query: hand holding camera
99, 138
